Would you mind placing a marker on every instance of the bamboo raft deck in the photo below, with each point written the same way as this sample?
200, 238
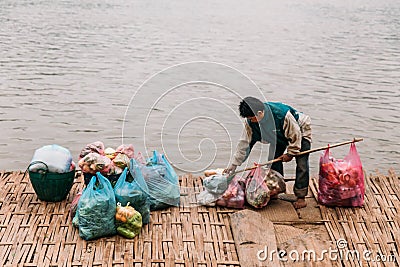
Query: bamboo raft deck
37, 233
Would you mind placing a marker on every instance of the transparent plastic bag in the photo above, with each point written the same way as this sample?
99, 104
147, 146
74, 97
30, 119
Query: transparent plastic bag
95, 147
162, 182
121, 160
52, 158
234, 196
128, 221
94, 162
341, 181
257, 191
275, 182
216, 184
206, 198
127, 150
96, 209
131, 188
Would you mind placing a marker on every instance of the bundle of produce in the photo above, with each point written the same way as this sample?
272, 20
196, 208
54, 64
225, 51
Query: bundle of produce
110, 153
234, 196
95, 215
206, 198
257, 191
341, 181
110, 162
162, 182
275, 182
122, 156
127, 150
216, 184
121, 161
94, 162
131, 188
95, 147
219, 189
128, 221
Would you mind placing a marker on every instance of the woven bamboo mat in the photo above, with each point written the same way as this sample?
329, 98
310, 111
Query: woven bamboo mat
36, 233
373, 230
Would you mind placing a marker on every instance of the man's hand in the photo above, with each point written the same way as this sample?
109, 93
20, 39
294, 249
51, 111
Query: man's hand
230, 169
286, 157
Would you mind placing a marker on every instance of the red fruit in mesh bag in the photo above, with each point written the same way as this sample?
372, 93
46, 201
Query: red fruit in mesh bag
351, 182
353, 173
344, 178
332, 177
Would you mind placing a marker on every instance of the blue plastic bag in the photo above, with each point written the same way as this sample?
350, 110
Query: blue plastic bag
162, 182
132, 188
96, 209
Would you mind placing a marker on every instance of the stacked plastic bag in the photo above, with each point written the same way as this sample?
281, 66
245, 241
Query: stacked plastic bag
214, 186
98, 215
141, 186
109, 162
255, 187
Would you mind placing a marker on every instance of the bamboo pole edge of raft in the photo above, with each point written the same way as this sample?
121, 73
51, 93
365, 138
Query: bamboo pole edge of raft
355, 140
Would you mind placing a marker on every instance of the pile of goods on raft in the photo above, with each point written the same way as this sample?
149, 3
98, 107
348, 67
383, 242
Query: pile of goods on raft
255, 187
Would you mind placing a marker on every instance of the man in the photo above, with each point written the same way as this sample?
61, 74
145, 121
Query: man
285, 129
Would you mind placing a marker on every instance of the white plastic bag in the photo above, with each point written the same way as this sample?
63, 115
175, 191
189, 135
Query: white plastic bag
57, 159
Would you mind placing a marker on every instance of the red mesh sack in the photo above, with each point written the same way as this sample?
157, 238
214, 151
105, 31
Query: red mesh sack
341, 181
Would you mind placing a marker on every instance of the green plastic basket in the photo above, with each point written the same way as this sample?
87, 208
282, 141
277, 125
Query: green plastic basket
51, 187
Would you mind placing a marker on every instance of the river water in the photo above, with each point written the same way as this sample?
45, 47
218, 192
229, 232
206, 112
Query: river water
141, 72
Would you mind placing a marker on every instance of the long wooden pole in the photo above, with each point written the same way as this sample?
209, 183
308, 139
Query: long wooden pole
301, 153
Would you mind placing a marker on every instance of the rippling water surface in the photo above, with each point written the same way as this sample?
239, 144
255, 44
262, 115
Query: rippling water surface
69, 71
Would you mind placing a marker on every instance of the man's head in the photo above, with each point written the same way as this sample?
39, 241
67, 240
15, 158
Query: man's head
251, 108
